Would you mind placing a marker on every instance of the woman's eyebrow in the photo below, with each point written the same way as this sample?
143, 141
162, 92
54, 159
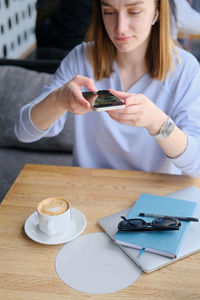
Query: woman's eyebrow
104, 3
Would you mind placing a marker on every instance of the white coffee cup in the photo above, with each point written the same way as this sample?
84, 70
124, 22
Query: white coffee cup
54, 216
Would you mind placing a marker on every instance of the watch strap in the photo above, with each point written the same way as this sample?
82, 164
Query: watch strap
165, 130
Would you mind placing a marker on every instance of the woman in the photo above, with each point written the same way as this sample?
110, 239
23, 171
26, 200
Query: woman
129, 50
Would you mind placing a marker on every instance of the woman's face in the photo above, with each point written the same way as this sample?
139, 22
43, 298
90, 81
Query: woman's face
128, 22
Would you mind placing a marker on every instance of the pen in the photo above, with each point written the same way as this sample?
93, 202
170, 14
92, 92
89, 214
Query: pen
162, 216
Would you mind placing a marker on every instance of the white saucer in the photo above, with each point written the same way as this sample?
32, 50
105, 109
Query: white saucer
32, 230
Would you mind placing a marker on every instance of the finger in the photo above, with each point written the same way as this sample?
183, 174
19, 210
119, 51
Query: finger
119, 94
78, 96
129, 99
133, 100
123, 121
123, 118
86, 81
76, 83
129, 110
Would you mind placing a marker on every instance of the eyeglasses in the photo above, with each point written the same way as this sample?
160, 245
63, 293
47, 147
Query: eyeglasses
164, 223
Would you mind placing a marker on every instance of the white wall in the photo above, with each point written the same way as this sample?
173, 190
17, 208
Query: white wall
17, 23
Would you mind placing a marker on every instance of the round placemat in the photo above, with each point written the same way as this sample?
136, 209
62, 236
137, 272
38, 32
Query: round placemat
93, 264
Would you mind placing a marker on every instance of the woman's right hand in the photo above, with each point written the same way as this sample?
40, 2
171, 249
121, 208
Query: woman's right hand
70, 97
66, 98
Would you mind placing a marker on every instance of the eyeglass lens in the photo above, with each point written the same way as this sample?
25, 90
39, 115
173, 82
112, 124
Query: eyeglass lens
159, 223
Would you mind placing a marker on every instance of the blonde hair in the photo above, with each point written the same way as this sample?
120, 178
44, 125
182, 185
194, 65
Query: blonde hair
102, 52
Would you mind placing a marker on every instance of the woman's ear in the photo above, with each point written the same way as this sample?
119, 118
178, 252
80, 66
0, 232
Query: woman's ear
156, 17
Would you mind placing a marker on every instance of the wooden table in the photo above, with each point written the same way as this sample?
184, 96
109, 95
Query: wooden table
27, 268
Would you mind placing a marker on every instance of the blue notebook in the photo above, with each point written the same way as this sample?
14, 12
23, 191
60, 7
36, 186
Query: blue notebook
166, 243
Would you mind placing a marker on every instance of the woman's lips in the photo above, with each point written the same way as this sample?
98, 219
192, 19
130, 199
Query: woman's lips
123, 39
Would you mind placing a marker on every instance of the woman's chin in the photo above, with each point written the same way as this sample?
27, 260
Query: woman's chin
125, 49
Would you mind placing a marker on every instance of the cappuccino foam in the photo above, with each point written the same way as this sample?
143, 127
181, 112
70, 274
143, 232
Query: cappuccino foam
53, 206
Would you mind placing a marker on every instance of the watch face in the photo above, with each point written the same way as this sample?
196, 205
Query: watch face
169, 128
166, 130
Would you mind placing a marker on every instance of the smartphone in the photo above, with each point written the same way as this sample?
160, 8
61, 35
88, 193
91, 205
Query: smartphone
103, 100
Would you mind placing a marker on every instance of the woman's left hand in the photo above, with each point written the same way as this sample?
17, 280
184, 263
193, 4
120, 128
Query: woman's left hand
139, 111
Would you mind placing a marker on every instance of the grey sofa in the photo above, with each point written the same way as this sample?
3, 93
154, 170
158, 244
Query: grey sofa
17, 87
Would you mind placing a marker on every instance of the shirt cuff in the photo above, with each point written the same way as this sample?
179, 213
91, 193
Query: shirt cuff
31, 129
188, 157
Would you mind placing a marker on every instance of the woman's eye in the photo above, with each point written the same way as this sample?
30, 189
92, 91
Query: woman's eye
134, 12
108, 12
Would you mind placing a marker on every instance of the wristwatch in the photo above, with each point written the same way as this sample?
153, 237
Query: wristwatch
165, 130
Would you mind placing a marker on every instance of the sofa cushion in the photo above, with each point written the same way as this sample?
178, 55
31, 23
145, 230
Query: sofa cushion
13, 160
18, 86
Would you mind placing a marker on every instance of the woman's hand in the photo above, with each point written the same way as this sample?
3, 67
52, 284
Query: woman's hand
142, 112
70, 97
66, 98
139, 111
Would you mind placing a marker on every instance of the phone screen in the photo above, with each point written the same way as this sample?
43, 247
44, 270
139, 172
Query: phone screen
103, 100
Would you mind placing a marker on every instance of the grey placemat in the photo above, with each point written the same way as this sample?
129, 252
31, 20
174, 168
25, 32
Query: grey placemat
93, 264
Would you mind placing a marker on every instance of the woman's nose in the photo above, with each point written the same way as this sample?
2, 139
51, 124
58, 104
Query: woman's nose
122, 23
